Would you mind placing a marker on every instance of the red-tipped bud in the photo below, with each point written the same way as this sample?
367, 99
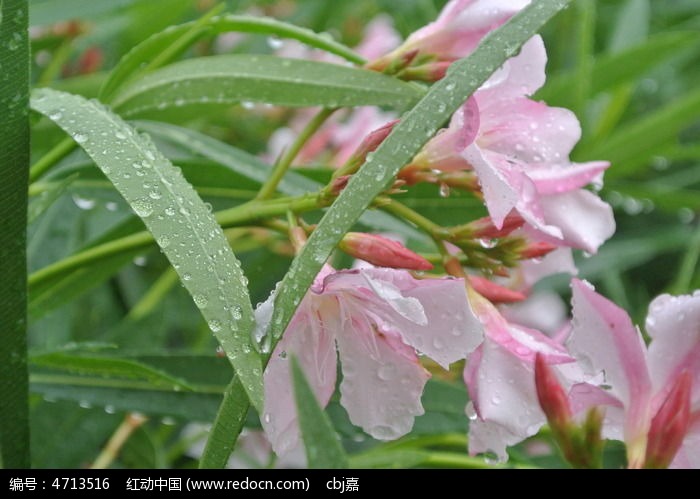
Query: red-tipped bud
382, 252
371, 142
670, 424
414, 174
552, 398
483, 228
536, 250
494, 292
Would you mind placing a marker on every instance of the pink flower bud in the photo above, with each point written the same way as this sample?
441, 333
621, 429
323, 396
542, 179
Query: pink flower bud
493, 292
536, 250
371, 142
430, 72
484, 228
552, 398
670, 424
382, 252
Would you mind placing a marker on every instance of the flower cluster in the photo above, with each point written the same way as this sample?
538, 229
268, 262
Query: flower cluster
511, 152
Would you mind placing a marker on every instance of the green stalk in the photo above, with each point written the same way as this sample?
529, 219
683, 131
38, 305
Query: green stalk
239, 215
270, 186
48, 160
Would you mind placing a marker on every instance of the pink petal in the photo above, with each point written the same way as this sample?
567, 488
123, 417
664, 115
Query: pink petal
488, 437
382, 378
380, 37
543, 310
505, 386
452, 329
585, 396
526, 130
688, 456
558, 261
673, 324
555, 179
309, 338
604, 340
585, 221
432, 315
526, 70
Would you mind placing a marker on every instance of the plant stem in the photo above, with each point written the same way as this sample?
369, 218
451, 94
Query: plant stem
56, 154
239, 215
131, 423
285, 161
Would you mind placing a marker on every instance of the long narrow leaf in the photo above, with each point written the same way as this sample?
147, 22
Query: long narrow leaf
151, 47
175, 215
14, 167
230, 79
323, 448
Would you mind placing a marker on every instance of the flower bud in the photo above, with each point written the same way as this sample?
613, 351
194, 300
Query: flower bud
494, 292
382, 252
670, 424
552, 398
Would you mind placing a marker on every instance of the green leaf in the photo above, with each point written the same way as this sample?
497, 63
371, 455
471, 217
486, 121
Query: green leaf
406, 139
321, 442
156, 44
228, 424
121, 395
107, 367
175, 215
229, 79
14, 167
630, 148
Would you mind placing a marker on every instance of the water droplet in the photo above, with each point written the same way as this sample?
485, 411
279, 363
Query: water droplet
386, 372
214, 325
83, 203
275, 43
163, 241
444, 190
109, 409
267, 418
120, 135
154, 194
55, 115
140, 261
201, 301
142, 208
80, 137
236, 313
186, 276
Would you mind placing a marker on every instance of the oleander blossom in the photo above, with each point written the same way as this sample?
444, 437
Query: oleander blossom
378, 321
503, 408
519, 149
459, 28
648, 390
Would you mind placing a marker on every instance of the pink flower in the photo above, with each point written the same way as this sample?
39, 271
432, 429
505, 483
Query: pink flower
378, 319
380, 251
504, 408
519, 150
460, 27
647, 387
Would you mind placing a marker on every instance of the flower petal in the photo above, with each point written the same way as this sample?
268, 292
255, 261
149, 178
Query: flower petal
603, 340
673, 324
382, 378
525, 130
308, 337
585, 220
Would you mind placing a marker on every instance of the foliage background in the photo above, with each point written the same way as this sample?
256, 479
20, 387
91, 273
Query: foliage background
628, 68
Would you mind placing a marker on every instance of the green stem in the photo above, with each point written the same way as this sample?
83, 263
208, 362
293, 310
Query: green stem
270, 186
435, 231
686, 271
239, 215
154, 295
59, 151
58, 59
